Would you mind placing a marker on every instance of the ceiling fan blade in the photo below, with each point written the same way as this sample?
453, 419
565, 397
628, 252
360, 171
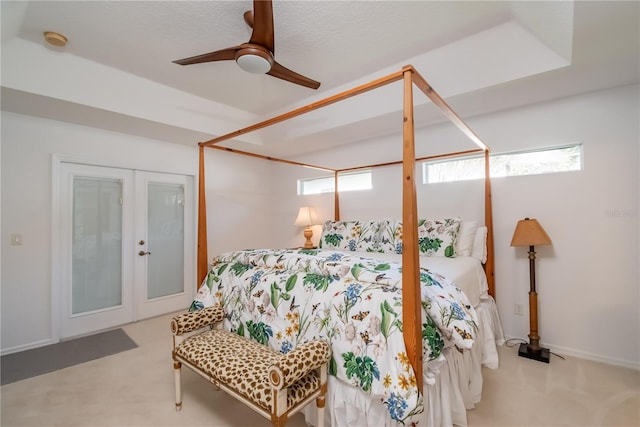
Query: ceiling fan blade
262, 24
218, 55
283, 73
248, 18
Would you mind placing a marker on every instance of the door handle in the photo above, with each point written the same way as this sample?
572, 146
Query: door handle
143, 253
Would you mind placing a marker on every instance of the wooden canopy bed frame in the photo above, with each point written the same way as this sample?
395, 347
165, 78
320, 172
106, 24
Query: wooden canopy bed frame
410, 257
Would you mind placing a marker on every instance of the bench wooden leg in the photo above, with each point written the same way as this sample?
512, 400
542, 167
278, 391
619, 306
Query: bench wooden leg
280, 421
279, 412
320, 411
321, 400
178, 382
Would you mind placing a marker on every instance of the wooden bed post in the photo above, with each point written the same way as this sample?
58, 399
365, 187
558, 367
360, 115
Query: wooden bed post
336, 197
411, 293
489, 266
202, 261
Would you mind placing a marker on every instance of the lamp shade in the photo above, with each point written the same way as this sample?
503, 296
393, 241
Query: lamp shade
306, 216
529, 232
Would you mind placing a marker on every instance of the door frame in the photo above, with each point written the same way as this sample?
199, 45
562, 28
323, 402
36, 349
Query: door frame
56, 165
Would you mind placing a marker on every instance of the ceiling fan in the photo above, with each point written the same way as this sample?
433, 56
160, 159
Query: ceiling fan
256, 56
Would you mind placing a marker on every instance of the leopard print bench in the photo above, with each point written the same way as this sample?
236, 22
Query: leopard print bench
273, 384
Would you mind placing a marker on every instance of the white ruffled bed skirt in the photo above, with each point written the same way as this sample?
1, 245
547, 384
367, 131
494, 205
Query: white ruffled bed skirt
453, 384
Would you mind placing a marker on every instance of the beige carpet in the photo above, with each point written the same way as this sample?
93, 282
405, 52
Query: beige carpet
135, 388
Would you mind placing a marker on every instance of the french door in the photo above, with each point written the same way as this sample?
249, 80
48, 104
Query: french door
165, 256
126, 246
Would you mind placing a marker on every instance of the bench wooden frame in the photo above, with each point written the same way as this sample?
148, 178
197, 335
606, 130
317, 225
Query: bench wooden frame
273, 384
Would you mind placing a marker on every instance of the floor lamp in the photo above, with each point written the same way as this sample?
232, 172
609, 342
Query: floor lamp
530, 233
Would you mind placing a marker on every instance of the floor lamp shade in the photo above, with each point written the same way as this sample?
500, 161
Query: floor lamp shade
530, 233
307, 217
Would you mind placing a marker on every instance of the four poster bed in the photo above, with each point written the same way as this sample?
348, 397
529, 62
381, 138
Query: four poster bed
407, 342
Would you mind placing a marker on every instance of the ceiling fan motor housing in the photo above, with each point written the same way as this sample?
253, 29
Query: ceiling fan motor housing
254, 58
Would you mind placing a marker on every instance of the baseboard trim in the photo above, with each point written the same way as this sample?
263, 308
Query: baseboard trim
16, 349
566, 351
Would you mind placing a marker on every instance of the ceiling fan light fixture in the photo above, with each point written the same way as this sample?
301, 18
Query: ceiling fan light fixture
255, 64
254, 60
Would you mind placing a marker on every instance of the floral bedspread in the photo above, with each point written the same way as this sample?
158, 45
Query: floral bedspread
284, 297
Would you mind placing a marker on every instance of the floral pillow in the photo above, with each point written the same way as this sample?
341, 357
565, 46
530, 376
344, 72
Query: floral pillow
437, 237
390, 236
350, 236
377, 242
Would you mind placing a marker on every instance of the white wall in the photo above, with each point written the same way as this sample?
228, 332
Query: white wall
239, 205
588, 280
238, 190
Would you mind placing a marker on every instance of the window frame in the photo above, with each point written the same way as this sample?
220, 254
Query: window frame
300, 182
480, 158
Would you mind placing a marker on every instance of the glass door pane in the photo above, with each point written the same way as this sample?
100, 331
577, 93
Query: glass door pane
96, 244
165, 216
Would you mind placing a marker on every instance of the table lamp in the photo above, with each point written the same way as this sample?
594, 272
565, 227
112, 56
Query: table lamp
307, 217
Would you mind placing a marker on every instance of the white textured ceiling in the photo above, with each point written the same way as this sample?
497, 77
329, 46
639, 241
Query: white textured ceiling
485, 55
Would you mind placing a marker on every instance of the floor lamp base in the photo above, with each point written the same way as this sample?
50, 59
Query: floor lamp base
541, 355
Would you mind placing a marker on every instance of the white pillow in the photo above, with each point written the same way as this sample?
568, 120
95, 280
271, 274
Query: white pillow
479, 250
466, 236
